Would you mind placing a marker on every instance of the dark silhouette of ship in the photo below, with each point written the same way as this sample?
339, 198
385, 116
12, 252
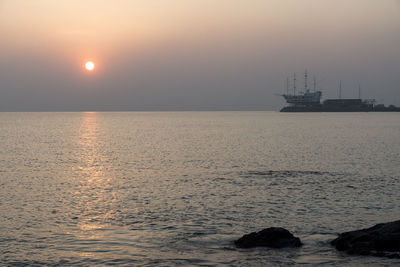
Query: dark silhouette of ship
310, 101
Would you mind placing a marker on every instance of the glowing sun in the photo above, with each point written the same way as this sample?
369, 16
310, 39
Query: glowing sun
89, 66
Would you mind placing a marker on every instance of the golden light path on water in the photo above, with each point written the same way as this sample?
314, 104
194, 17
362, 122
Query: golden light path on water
94, 194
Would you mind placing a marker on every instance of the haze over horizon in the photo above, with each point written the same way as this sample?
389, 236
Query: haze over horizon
193, 55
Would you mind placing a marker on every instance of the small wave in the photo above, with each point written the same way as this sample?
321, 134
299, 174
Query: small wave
285, 173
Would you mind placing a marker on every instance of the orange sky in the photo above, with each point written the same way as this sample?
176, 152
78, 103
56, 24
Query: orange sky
101, 26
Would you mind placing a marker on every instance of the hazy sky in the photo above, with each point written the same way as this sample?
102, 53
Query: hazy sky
193, 54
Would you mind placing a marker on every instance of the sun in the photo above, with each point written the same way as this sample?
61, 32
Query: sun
89, 66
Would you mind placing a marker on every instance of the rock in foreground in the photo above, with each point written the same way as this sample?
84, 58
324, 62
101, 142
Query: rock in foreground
381, 240
273, 237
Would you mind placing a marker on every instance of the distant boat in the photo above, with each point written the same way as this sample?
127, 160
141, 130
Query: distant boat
310, 101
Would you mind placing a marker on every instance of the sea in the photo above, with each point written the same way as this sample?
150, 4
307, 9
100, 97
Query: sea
177, 188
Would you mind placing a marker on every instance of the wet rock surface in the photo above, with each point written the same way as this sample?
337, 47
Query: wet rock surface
273, 237
380, 240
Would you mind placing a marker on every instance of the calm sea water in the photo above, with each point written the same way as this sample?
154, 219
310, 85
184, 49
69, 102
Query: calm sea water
177, 188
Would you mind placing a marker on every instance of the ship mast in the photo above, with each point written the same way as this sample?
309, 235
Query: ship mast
359, 91
287, 85
315, 83
305, 81
294, 83
340, 89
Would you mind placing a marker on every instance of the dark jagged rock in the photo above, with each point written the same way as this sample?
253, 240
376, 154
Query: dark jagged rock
381, 240
273, 237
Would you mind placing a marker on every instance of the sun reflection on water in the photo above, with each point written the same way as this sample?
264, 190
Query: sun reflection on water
94, 194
